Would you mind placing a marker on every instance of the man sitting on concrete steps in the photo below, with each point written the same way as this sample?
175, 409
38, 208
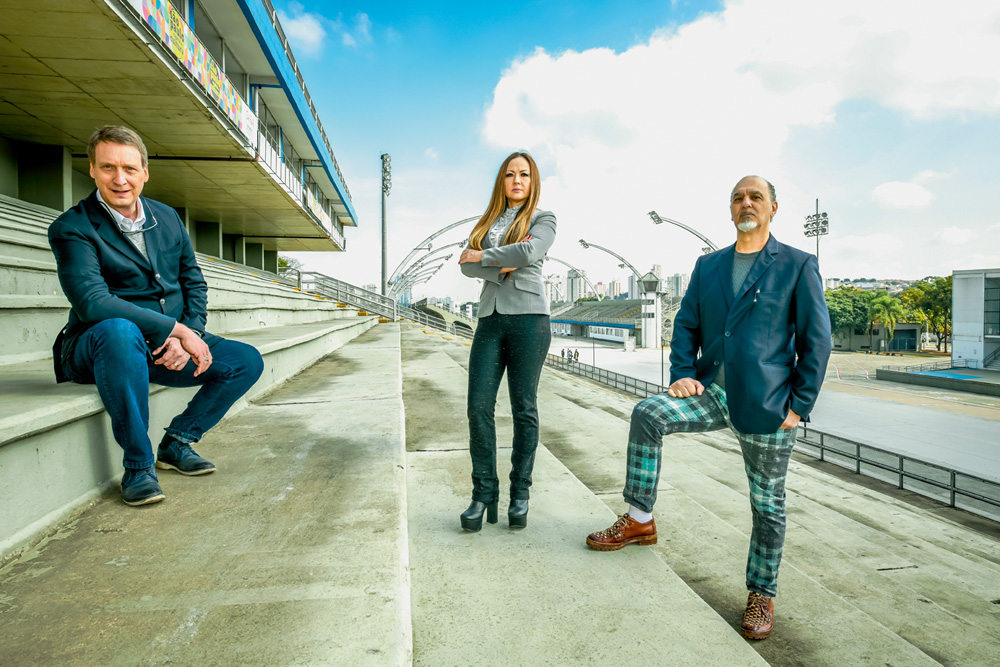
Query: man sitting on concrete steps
138, 316
749, 351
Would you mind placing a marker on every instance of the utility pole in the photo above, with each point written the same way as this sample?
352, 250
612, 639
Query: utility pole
386, 186
817, 225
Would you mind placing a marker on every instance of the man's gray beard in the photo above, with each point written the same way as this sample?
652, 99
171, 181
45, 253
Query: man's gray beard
746, 226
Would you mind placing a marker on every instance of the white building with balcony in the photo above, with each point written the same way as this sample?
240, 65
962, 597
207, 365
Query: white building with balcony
235, 143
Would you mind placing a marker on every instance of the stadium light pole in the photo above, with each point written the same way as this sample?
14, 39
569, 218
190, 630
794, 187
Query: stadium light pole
817, 225
585, 244
658, 219
386, 186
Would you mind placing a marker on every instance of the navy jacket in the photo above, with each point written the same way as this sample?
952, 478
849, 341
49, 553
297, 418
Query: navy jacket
104, 276
773, 337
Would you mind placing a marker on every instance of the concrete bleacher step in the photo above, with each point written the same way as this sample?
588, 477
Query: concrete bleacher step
56, 447
857, 563
294, 552
537, 596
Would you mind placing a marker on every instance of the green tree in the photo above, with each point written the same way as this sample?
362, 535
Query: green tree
931, 298
886, 309
848, 310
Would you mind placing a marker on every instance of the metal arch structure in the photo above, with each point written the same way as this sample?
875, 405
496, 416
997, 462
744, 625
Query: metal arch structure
585, 244
426, 242
416, 266
408, 279
423, 259
582, 274
658, 219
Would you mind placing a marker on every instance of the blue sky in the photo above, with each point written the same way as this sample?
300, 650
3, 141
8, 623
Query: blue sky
887, 114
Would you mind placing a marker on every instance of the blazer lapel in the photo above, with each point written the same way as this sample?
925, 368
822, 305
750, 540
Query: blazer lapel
724, 274
152, 236
108, 230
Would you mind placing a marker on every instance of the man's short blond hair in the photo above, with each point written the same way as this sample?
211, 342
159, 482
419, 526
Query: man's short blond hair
116, 134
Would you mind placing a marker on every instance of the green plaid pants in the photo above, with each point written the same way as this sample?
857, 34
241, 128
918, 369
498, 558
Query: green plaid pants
765, 459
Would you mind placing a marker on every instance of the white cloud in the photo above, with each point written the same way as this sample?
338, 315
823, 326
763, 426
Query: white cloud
896, 194
430, 153
303, 29
673, 122
353, 33
955, 235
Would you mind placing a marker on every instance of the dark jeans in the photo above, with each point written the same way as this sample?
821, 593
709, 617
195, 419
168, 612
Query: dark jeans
517, 344
113, 355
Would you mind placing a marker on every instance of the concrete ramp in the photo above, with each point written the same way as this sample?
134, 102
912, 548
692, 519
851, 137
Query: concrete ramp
293, 553
537, 596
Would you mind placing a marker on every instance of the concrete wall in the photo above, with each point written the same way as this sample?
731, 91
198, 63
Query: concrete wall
8, 168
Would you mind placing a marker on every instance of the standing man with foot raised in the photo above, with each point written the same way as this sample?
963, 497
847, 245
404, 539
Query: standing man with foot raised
749, 351
138, 316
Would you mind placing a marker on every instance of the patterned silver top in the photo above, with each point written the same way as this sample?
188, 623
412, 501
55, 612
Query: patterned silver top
499, 229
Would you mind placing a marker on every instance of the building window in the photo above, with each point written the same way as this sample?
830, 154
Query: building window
991, 308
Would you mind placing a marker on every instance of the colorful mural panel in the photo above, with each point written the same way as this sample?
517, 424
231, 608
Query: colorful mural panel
313, 203
172, 30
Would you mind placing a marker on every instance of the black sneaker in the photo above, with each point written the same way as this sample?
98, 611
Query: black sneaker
180, 457
140, 486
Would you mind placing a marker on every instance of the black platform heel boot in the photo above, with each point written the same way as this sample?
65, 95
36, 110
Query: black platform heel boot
517, 513
472, 518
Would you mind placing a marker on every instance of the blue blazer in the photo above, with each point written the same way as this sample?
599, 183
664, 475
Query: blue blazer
104, 276
773, 336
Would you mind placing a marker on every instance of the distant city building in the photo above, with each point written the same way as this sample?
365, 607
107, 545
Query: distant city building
676, 285
833, 283
614, 289
371, 287
554, 289
633, 288
658, 270
576, 286
601, 290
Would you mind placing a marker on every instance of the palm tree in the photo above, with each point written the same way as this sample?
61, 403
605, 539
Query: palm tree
887, 310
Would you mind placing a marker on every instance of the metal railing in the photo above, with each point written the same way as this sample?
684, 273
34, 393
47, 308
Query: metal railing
625, 383
935, 366
951, 487
323, 286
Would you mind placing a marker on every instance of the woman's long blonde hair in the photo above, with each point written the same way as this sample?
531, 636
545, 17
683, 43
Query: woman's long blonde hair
498, 204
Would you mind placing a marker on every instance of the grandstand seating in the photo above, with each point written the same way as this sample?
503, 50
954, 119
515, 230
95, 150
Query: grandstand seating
56, 448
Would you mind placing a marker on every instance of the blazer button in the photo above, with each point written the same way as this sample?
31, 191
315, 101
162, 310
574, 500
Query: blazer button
162, 301
727, 333
716, 363
157, 276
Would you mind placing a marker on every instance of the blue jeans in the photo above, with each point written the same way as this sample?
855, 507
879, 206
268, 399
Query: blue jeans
113, 355
516, 344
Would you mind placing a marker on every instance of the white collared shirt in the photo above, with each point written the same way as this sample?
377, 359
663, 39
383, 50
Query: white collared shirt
132, 229
125, 224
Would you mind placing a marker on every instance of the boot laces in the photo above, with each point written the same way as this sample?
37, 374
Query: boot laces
756, 613
616, 530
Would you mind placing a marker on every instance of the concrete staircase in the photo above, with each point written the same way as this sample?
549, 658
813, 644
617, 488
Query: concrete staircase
330, 536
56, 448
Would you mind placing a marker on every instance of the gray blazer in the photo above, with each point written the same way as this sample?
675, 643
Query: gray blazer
522, 292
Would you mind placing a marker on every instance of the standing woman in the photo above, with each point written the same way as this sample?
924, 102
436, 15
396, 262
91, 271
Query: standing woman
506, 250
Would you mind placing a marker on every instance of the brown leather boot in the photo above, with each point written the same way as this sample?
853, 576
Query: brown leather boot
625, 530
758, 619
